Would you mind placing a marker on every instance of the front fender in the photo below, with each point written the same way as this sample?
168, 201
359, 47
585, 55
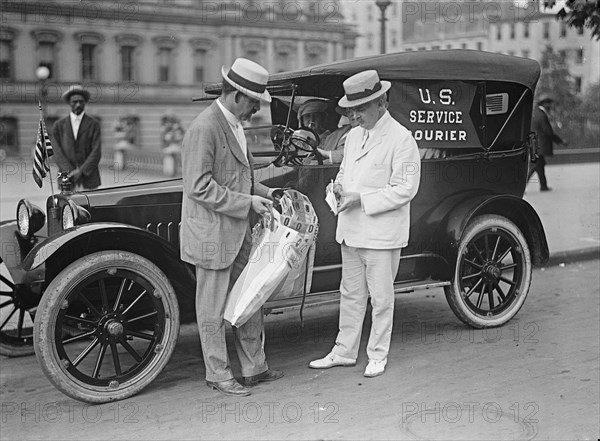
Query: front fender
89, 238
520, 212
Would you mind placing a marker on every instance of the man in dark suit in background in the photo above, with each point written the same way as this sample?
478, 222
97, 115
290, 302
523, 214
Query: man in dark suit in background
77, 145
218, 193
546, 138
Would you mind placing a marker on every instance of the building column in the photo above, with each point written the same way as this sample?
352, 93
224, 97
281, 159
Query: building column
301, 57
270, 55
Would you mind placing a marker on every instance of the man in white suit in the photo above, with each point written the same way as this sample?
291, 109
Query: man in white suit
378, 178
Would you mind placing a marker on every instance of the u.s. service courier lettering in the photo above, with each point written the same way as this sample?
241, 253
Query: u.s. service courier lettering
437, 113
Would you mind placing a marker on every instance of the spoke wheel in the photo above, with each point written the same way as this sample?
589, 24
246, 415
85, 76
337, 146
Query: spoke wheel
106, 326
17, 310
493, 272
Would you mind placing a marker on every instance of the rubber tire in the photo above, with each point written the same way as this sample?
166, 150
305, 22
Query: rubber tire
58, 290
455, 300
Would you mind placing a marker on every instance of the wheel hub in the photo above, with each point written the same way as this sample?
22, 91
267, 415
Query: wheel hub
114, 328
491, 272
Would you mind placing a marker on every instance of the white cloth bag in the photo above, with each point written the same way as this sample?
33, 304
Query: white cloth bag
278, 252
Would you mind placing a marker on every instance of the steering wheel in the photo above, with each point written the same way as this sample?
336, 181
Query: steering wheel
306, 140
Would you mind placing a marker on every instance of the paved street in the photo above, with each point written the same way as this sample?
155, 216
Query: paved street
443, 380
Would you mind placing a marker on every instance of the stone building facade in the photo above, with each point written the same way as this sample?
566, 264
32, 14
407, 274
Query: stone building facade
142, 60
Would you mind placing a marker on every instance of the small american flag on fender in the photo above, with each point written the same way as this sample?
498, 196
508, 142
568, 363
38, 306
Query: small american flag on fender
43, 150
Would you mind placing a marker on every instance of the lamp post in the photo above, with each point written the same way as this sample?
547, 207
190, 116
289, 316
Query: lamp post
383, 4
42, 73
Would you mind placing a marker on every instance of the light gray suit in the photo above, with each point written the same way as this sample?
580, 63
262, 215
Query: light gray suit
215, 237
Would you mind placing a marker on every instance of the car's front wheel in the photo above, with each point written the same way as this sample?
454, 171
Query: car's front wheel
492, 274
106, 326
17, 311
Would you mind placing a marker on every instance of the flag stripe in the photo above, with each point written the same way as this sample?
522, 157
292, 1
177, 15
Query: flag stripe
43, 150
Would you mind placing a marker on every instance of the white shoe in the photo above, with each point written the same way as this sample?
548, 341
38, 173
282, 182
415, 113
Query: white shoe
331, 360
375, 368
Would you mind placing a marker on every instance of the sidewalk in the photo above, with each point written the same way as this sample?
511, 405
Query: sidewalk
570, 212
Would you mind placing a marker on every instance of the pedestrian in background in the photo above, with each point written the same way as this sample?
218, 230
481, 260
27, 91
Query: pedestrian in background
546, 137
219, 192
77, 142
378, 177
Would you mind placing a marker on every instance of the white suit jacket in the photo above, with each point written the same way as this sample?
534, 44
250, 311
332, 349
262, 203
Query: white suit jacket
386, 172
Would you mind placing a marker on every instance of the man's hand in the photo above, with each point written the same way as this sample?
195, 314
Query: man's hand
338, 190
348, 200
261, 205
326, 154
75, 175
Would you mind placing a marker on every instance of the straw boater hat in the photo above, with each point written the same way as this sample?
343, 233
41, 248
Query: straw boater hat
75, 89
363, 87
249, 78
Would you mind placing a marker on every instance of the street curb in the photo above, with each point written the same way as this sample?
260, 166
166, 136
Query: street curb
571, 256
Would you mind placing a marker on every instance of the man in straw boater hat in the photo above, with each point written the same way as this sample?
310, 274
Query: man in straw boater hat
76, 141
546, 137
219, 192
378, 178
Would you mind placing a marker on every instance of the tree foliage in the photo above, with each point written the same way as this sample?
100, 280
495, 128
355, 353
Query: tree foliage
557, 81
580, 14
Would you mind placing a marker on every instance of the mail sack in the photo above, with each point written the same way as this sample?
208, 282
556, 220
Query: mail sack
281, 244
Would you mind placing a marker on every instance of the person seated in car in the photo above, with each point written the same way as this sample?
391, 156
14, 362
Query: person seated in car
332, 149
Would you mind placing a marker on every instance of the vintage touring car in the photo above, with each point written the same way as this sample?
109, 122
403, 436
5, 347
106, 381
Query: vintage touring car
100, 277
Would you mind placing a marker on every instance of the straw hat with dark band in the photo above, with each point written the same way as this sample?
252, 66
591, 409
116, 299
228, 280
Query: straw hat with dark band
249, 78
363, 87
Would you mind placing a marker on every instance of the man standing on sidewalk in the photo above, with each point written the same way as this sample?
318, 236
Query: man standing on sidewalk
219, 192
77, 142
546, 138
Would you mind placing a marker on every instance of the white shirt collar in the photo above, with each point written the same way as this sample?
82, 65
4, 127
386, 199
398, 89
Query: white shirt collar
379, 124
77, 117
230, 117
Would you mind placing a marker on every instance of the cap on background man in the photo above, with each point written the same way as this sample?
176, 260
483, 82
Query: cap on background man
75, 89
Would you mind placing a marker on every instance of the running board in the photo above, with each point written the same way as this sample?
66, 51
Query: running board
278, 306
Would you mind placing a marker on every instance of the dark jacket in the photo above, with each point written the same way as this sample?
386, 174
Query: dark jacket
84, 153
545, 134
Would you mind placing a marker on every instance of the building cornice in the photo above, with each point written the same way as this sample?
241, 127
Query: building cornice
146, 12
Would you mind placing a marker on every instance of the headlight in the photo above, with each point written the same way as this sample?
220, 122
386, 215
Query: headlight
30, 218
73, 214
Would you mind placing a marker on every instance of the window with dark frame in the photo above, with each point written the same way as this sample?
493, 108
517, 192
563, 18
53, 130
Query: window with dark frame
6, 60
164, 64
46, 57
88, 61
128, 63
199, 63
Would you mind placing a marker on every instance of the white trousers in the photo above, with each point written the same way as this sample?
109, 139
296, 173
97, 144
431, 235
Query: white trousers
366, 271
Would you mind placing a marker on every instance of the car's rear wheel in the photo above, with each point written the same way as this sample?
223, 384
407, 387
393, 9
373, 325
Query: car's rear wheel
493, 272
17, 310
127, 317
